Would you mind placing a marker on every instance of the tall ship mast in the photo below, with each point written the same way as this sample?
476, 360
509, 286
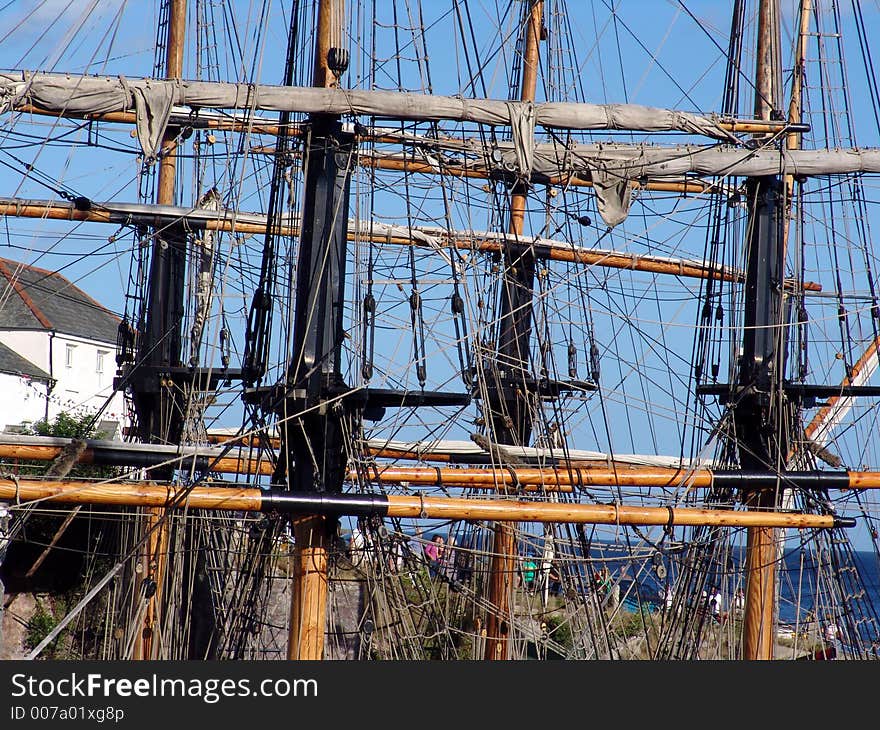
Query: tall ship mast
542, 330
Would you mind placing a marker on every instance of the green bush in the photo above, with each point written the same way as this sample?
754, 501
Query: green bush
559, 630
68, 425
74, 426
38, 627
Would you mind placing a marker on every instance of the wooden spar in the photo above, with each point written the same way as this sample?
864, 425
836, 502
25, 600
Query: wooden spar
765, 66
510, 418
687, 187
308, 602
155, 547
154, 557
251, 499
761, 552
552, 250
54, 541
562, 478
328, 36
762, 541
222, 465
134, 494
527, 476
690, 187
558, 512
249, 126
598, 477
831, 405
174, 70
260, 125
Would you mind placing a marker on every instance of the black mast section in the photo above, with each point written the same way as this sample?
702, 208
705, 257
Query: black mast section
758, 417
151, 377
311, 424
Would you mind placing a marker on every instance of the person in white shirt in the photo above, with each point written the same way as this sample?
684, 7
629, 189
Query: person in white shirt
714, 603
667, 597
831, 632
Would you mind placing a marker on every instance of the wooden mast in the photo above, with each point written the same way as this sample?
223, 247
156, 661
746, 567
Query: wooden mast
313, 443
759, 418
153, 403
511, 421
795, 107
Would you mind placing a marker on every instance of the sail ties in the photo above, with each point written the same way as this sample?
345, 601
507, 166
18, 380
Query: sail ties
613, 193
152, 104
522, 127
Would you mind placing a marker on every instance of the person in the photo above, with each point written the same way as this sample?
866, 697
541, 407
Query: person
529, 567
554, 580
464, 562
667, 597
613, 594
739, 601
435, 552
715, 603
450, 552
831, 632
603, 581
396, 554
413, 543
606, 590
357, 546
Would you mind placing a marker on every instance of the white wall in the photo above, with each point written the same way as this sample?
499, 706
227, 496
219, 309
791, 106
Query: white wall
21, 400
32, 345
79, 386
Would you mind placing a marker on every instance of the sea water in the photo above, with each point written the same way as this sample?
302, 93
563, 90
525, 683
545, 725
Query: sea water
802, 586
833, 595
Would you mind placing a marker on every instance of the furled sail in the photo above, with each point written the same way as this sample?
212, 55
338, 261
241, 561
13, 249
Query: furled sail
152, 99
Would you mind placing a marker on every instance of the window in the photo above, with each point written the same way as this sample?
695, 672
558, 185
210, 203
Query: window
68, 355
99, 366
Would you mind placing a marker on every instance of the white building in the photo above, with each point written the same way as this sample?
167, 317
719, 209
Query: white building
57, 351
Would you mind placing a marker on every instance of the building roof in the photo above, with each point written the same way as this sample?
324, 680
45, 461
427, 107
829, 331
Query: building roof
36, 299
14, 364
